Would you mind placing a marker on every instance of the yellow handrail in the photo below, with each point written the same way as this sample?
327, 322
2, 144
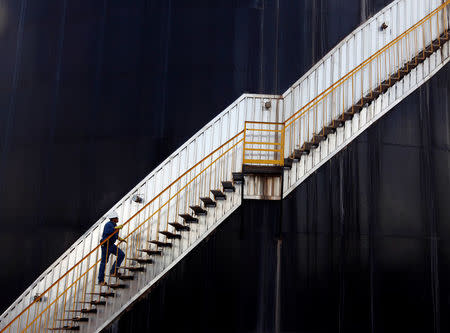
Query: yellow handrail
39, 298
368, 60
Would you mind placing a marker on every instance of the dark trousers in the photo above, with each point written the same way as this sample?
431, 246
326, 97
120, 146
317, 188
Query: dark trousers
106, 252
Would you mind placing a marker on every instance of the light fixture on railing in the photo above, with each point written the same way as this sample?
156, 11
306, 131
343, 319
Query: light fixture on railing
384, 26
267, 105
137, 198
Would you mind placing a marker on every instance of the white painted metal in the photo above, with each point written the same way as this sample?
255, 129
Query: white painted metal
227, 124
359, 45
369, 115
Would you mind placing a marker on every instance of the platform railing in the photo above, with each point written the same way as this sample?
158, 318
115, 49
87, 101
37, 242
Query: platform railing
263, 143
76, 288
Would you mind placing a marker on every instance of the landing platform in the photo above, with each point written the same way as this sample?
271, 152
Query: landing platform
262, 170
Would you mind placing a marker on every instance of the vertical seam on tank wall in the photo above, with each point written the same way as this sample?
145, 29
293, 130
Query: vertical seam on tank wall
261, 50
53, 111
12, 100
277, 22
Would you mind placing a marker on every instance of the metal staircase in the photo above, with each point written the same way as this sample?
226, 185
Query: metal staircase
274, 137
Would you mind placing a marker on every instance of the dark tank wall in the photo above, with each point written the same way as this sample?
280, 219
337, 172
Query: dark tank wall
94, 94
365, 243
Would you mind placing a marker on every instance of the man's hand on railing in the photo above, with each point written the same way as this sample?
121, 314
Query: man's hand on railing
118, 227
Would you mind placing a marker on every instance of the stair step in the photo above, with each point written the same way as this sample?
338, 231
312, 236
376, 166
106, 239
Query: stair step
80, 319
307, 146
170, 235
117, 285
75, 319
133, 268
355, 109
287, 163
218, 195
198, 210
365, 100
386, 84
123, 277
337, 123
317, 138
179, 226
151, 252
238, 177
327, 130
228, 186
428, 51
92, 310
346, 116
208, 202
376, 93
394, 79
188, 218
94, 302
104, 294
397, 76
161, 244
64, 328
142, 261
298, 154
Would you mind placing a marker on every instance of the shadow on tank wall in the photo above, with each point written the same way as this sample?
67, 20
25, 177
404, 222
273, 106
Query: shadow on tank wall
95, 94
365, 243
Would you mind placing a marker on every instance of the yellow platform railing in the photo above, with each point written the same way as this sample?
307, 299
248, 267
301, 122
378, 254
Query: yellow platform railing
263, 143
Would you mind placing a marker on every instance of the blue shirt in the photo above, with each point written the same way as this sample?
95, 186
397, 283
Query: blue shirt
108, 230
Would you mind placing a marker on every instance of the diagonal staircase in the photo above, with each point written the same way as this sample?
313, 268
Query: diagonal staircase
181, 202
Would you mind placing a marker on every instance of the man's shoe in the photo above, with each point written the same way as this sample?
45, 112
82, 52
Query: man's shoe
102, 284
116, 275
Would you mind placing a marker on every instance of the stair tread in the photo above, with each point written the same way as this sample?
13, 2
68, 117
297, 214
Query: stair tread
77, 319
218, 195
208, 202
84, 310
309, 145
70, 328
94, 302
288, 163
298, 154
162, 244
238, 177
318, 137
123, 277
329, 130
188, 218
151, 252
179, 226
170, 235
117, 285
228, 186
104, 294
198, 210
133, 268
145, 260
